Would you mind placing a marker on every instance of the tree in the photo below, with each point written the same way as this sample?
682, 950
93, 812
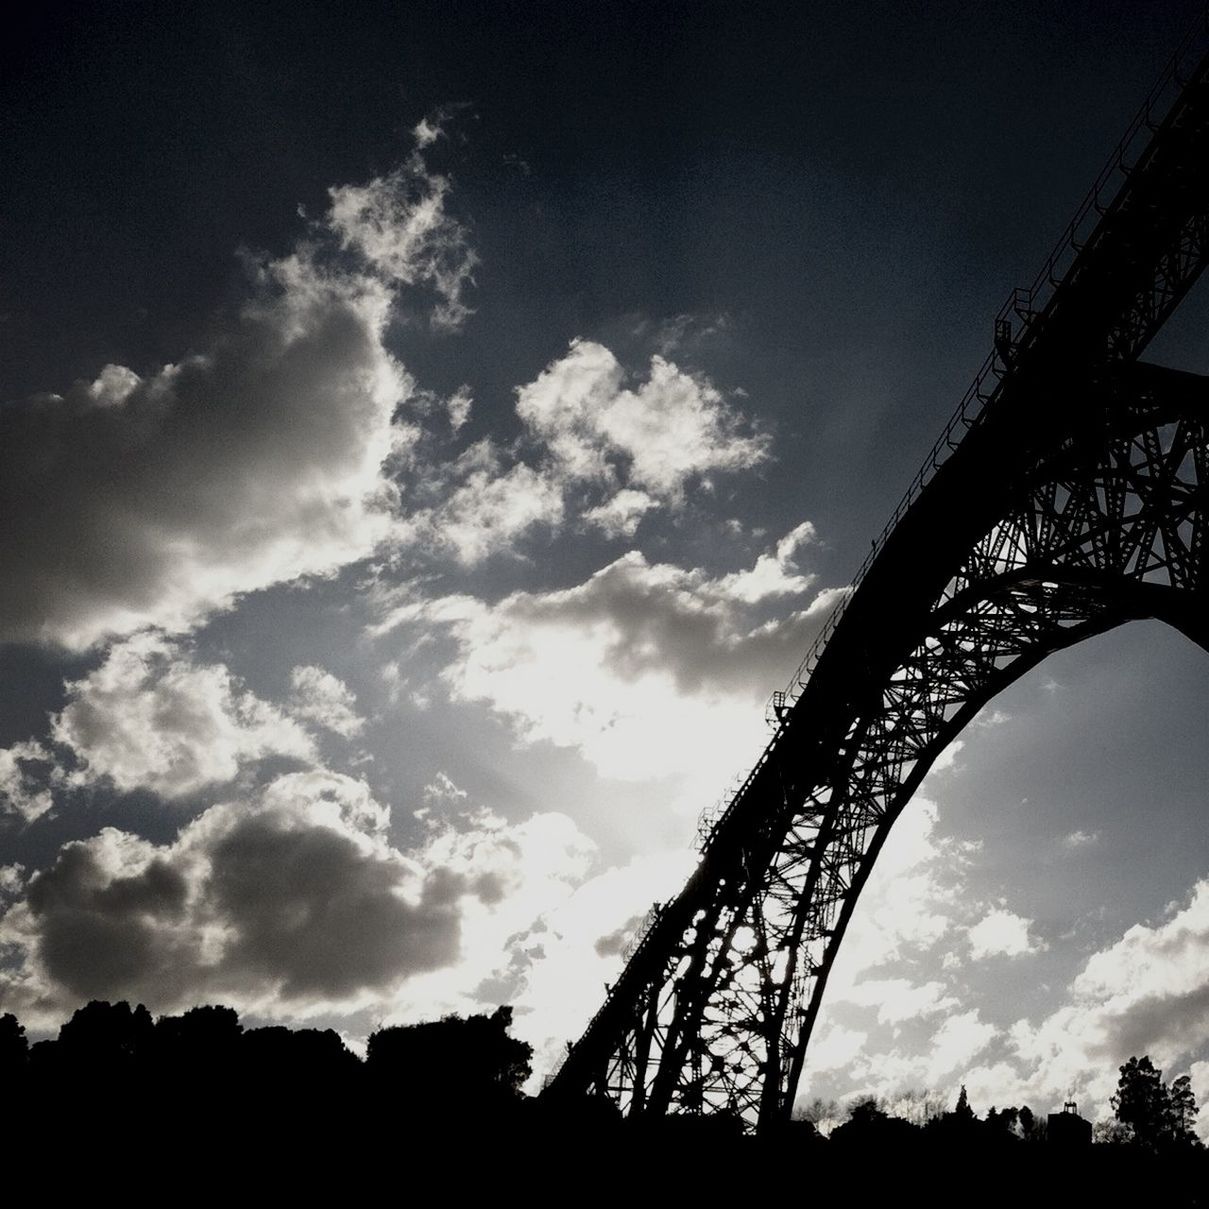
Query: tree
824, 1115
106, 1034
916, 1105
1183, 1109
866, 1111
963, 1111
453, 1063
14, 1048
870, 1128
1156, 1115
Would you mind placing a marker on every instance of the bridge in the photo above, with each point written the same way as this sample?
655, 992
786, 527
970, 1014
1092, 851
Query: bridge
1066, 496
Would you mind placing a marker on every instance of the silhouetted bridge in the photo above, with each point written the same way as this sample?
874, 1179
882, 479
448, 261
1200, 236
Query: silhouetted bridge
1066, 496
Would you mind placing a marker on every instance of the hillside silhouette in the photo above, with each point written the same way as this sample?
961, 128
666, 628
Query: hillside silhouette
288, 1102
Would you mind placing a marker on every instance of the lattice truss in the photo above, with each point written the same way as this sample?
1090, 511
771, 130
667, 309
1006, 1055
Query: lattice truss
743, 987
1066, 495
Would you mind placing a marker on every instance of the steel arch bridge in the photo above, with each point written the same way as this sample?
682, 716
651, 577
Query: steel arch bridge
1068, 494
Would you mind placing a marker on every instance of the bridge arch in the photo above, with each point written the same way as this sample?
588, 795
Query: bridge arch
1068, 495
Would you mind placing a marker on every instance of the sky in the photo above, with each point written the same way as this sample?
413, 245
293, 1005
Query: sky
428, 436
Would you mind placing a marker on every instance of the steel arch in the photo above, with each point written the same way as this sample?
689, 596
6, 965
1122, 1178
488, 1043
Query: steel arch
1067, 495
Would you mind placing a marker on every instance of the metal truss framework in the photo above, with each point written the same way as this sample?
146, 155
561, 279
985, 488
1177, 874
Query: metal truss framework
1069, 494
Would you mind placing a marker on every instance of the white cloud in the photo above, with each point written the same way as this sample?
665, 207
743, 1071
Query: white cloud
1080, 839
1199, 1072
835, 1048
442, 789
399, 225
21, 791
458, 407
603, 454
574, 948
149, 718
1148, 993
427, 130
152, 500
898, 999
621, 514
648, 669
489, 508
774, 574
1000, 933
325, 700
672, 428
990, 716
912, 902
518, 875
959, 1039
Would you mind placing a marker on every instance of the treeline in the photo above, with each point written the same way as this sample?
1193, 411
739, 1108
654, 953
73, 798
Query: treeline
204, 1064
290, 1101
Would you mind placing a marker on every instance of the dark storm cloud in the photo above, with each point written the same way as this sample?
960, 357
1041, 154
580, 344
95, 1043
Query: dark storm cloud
310, 910
99, 932
295, 898
1175, 1023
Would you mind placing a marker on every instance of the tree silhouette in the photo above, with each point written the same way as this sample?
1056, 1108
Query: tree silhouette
109, 1035
452, 1062
1157, 1115
1183, 1108
14, 1049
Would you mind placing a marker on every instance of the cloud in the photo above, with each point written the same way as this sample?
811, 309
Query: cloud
648, 669
1148, 993
22, 791
442, 789
290, 903
153, 500
835, 1048
621, 514
1080, 839
913, 913
325, 700
672, 428
574, 947
150, 718
1000, 933
959, 1039
458, 407
898, 999
1199, 1071
596, 452
484, 507
1152, 986
912, 903
399, 226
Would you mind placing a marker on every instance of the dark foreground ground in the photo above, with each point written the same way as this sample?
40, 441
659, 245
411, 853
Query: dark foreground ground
192, 1142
